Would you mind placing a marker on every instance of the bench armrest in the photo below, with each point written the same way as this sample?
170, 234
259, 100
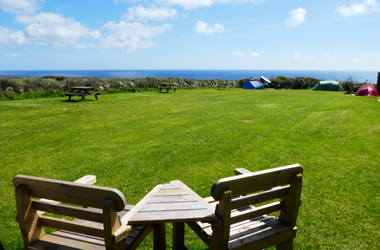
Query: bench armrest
240, 171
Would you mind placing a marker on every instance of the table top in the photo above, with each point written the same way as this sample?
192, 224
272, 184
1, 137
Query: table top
172, 202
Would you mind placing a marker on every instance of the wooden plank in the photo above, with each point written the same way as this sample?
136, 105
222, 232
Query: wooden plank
27, 217
111, 222
168, 198
77, 212
71, 226
175, 206
263, 239
255, 212
279, 193
87, 179
50, 242
263, 180
254, 227
171, 216
75, 193
292, 202
177, 191
240, 171
80, 237
127, 218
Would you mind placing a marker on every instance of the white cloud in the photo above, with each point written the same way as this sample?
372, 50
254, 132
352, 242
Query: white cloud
55, 29
130, 36
237, 53
139, 13
205, 28
12, 55
193, 4
255, 54
296, 54
297, 17
327, 55
19, 6
359, 8
10, 37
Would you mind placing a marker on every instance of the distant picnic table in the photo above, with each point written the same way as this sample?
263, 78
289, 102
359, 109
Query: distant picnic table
167, 86
82, 91
224, 85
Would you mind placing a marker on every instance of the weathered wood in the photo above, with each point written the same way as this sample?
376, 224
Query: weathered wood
71, 226
243, 201
69, 192
239, 171
159, 236
92, 228
263, 180
30, 226
245, 226
292, 202
77, 212
178, 235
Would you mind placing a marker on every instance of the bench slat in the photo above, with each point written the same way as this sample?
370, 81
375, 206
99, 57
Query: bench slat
263, 180
260, 197
71, 226
77, 212
255, 212
74, 193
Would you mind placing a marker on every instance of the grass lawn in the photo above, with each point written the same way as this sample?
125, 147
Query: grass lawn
135, 141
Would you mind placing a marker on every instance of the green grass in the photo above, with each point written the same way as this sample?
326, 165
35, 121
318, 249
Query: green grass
135, 141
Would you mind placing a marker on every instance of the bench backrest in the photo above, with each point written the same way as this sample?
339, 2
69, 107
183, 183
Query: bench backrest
278, 188
103, 203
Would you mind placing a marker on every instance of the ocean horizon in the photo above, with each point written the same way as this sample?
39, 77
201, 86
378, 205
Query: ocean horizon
356, 76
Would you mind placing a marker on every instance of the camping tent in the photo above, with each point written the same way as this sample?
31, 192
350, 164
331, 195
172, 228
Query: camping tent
328, 85
253, 85
367, 90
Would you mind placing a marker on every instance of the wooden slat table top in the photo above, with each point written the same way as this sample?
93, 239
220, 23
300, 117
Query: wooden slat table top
83, 88
172, 202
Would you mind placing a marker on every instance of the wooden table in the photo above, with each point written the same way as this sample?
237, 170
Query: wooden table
82, 91
224, 85
167, 86
173, 202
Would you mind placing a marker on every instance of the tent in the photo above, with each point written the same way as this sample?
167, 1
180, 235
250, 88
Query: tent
367, 90
328, 85
253, 85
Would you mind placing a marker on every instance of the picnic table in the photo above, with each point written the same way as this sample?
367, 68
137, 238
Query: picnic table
173, 202
167, 86
224, 85
82, 91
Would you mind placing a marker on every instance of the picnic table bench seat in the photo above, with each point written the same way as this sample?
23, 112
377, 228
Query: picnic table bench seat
243, 221
167, 86
95, 214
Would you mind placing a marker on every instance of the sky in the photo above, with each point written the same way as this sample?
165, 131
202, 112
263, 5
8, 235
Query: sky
190, 34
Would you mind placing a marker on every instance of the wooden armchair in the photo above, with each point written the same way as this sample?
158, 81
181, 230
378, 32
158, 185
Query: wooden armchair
244, 223
87, 215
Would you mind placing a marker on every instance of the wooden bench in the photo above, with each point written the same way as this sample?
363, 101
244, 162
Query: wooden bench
94, 224
244, 223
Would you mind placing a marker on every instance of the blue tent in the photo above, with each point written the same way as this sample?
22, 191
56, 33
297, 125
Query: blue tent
253, 85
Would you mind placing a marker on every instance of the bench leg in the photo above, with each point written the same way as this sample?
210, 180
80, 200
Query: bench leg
96, 96
159, 239
178, 235
167, 90
287, 245
69, 98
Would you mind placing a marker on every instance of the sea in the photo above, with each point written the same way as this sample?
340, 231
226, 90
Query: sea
356, 76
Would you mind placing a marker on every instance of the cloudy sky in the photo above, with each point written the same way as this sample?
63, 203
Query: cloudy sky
190, 34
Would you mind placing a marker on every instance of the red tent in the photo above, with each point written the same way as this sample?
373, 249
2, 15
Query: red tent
367, 90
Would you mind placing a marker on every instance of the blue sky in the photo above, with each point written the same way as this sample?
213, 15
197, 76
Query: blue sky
190, 34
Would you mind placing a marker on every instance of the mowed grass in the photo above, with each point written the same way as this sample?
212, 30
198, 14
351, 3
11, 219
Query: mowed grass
133, 142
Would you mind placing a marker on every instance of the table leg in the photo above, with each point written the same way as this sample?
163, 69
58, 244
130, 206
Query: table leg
179, 235
159, 240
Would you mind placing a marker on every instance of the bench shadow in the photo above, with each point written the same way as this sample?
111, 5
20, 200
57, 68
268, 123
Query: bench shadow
78, 100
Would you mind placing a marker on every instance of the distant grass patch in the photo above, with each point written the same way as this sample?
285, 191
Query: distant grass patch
135, 141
